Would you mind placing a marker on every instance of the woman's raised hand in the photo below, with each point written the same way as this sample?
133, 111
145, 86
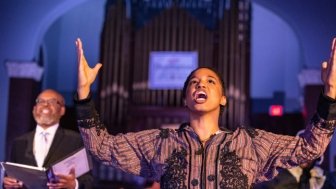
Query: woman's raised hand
86, 74
329, 73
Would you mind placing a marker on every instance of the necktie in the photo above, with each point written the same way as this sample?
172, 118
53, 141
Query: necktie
304, 179
41, 148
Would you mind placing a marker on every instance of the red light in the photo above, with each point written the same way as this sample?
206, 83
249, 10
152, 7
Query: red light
276, 110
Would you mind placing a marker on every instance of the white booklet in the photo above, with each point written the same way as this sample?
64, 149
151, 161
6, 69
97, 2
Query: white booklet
37, 178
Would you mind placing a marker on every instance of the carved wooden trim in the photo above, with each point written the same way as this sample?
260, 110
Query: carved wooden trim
28, 70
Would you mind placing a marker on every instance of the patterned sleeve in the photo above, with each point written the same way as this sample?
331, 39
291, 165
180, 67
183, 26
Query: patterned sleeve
287, 151
130, 152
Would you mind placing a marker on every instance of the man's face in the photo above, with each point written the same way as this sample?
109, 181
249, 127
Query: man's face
49, 108
204, 92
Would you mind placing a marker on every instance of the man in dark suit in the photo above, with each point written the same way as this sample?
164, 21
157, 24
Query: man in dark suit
48, 143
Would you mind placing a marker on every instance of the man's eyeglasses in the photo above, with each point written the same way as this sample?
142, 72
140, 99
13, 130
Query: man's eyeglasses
51, 101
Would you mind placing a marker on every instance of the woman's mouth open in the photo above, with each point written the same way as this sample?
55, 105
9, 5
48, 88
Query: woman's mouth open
200, 96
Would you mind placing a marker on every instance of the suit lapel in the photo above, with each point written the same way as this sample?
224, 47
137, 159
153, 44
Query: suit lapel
29, 152
53, 148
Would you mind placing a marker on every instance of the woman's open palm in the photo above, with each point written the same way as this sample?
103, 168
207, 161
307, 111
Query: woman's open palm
86, 74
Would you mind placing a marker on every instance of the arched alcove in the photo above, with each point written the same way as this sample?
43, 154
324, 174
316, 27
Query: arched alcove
276, 58
84, 21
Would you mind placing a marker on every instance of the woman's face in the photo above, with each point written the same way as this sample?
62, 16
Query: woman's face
204, 92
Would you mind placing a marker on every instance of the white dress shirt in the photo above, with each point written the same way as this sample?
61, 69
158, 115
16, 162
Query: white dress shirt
316, 180
37, 143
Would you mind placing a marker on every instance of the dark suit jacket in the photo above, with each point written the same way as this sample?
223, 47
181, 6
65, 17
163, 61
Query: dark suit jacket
284, 180
64, 143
